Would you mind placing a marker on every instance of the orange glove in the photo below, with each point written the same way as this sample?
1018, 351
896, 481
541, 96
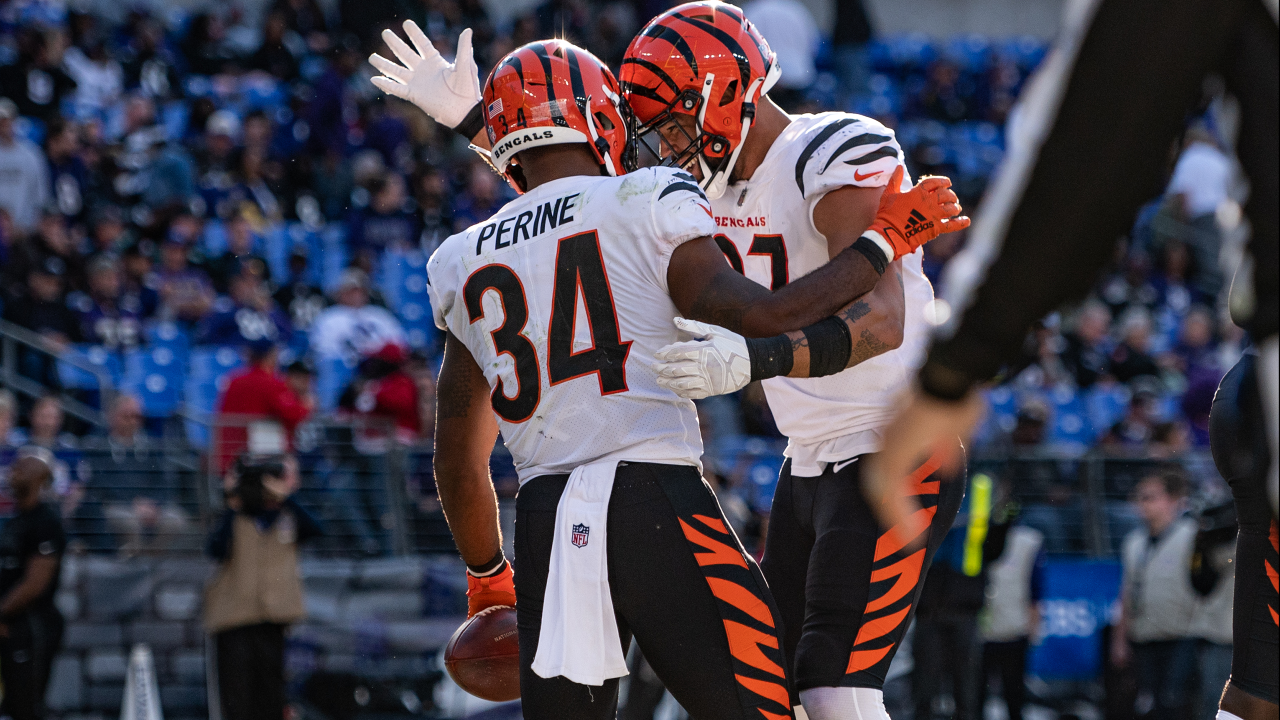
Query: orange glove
907, 220
496, 589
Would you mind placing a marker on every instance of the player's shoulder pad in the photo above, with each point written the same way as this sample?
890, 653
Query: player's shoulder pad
677, 182
844, 149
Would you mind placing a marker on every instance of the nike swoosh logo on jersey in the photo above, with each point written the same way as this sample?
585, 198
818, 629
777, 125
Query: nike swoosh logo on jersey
860, 177
837, 467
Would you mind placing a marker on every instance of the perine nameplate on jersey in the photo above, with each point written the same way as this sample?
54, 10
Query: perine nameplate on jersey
527, 224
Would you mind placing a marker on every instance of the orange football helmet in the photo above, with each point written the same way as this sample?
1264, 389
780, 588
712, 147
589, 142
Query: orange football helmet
707, 61
551, 92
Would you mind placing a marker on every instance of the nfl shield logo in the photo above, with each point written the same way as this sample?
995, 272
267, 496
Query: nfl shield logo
580, 533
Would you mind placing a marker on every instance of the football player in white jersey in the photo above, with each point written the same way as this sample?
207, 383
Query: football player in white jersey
554, 309
788, 193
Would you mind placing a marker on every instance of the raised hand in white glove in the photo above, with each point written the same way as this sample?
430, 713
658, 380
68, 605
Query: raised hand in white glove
715, 362
446, 91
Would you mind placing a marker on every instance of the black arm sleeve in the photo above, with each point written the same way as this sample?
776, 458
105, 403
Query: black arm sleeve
1138, 72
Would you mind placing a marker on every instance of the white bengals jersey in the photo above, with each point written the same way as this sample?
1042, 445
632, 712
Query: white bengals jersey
765, 227
562, 299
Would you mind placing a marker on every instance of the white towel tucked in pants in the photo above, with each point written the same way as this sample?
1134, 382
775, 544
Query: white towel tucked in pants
579, 635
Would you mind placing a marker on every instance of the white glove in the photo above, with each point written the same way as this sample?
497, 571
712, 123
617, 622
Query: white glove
714, 363
445, 91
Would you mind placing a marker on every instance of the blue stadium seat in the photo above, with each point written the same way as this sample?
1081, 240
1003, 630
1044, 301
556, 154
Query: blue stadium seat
202, 398
1106, 405
415, 316
156, 376
762, 477
1071, 426
1002, 415
212, 364
970, 52
77, 378
169, 334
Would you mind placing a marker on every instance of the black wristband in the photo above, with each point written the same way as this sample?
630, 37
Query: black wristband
493, 567
944, 383
471, 124
770, 357
872, 251
830, 344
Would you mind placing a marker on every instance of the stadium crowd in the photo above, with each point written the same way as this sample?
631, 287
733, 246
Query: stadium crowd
176, 184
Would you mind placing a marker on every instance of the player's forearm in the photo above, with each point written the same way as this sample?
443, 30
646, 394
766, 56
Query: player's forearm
872, 325
470, 507
731, 301
465, 435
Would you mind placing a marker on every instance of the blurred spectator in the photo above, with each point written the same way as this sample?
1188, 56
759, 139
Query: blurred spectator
274, 55
148, 65
204, 46
384, 391
36, 82
946, 641
42, 310
434, 210
333, 104
98, 77
256, 592
1157, 600
1137, 428
247, 316
215, 162
152, 170
795, 47
31, 548
1173, 282
306, 18
352, 328
851, 34
109, 236
47, 431
1086, 353
129, 479
240, 258
141, 284
1213, 575
482, 197
385, 224
298, 297
1200, 184
186, 294
1010, 618
69, 177
108, 316
24, 176
51, 246
259, 411
1195, 351
1131, 358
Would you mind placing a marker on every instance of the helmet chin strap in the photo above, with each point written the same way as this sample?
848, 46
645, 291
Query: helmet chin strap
605, 159
717, 182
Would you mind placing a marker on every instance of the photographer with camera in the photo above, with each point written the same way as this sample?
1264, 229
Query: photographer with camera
256, 592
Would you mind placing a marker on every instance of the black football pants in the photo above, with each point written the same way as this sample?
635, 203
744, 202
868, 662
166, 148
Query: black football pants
681, 584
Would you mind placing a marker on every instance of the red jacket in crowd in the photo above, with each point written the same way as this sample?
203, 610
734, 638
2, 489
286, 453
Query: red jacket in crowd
259, 393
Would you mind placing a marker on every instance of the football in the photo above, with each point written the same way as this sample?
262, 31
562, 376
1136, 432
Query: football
483, 656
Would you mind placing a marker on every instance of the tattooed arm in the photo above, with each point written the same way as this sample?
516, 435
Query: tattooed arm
465, 433
875, 324
704, 287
